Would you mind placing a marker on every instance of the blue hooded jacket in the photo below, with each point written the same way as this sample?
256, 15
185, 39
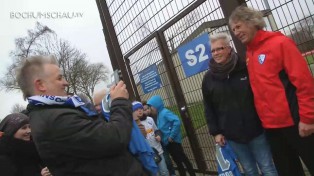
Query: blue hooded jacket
167, 122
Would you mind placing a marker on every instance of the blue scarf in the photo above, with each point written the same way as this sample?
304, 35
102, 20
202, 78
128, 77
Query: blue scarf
73, 101
138, 145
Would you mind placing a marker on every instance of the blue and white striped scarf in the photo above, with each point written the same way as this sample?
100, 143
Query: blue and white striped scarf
71, 101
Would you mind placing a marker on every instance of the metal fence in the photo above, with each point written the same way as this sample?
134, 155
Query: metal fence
144, 33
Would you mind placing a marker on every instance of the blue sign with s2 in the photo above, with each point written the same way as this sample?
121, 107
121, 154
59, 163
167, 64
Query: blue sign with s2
195, 55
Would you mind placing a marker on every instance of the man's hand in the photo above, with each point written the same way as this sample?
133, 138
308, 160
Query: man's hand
45, 172
170, 140
119, 91
158, 138
305, 129
220, 139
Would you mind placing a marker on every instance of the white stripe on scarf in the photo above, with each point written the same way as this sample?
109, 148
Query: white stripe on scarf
56, 100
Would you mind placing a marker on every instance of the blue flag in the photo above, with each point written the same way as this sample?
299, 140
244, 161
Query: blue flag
226, 161
138, 145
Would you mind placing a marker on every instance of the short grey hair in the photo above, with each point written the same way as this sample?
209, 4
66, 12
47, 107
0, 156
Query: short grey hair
30, 69
248, 15
220, 36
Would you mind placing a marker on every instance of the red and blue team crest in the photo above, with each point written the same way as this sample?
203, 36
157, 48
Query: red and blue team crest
261, 58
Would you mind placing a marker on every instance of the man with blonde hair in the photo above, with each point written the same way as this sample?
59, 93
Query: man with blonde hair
97, 98
283, 89
71, 139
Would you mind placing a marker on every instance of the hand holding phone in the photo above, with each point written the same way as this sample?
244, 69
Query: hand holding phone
119, 91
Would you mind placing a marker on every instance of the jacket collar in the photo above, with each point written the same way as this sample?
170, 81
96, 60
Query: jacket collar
260, 37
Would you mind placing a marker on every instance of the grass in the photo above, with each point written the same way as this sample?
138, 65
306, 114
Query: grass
196, 112
310, 59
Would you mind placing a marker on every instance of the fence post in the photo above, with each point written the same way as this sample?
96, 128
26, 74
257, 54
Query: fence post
116, 56
227, 7
128, 67
179, 96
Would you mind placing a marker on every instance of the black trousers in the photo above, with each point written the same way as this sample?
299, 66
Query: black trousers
287, 146
168, 161
179, 157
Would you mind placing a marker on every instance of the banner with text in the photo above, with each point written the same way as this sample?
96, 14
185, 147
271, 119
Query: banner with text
150, 79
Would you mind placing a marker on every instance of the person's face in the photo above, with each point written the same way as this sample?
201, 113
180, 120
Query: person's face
220, 51
97, 104
153, 111
24, 133
147, 110
97, 99
138, 113
245, 32
53, 82
98, 108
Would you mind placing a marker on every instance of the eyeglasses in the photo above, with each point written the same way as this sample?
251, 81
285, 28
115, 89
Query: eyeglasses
219, 49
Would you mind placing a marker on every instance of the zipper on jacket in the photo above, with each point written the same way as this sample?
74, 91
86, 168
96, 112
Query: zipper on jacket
252, 66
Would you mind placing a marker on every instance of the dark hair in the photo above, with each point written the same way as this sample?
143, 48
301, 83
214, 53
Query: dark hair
144, 102
12, 123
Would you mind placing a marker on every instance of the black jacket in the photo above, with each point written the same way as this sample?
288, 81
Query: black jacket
71, 143
229, 105
18, 157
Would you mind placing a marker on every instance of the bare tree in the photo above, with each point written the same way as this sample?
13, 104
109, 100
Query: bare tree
82, 75
71, 60
24, 47
93, 74
145, 30
182, 29
177, 34
16, 108
28, 45
303, 33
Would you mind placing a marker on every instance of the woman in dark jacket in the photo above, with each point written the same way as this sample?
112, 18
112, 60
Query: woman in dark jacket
18, 154
230, 111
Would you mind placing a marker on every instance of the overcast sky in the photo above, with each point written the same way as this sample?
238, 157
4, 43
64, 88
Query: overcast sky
74, 20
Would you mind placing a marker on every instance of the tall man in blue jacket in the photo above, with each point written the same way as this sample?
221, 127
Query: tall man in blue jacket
169, 125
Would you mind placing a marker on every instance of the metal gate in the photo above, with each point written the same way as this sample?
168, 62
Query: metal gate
144, 33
